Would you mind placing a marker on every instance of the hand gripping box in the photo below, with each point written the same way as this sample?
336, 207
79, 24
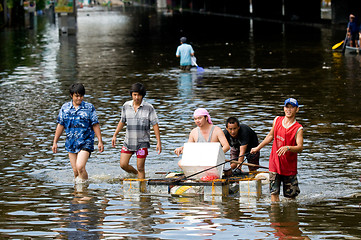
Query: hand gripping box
200, 156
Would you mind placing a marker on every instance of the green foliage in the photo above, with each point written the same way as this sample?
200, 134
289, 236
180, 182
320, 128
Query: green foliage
40, 4
10, 3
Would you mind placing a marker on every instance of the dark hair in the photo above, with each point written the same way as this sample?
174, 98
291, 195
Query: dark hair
183, 39
232, 120
139, 88
77, 88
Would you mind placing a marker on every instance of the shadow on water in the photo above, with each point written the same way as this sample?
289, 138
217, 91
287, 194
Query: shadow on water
250, 67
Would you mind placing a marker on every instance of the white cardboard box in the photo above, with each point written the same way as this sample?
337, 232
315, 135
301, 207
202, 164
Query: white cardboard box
200, 156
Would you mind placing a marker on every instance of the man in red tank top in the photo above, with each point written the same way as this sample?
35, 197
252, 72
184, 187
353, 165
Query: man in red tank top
287, 137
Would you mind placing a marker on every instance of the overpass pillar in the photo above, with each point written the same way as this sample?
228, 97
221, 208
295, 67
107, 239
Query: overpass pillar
161, 5
67, 17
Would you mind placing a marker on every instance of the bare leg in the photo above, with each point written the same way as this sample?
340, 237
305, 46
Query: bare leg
141, 168
275, 198
72, 157
124, 163
82, 159
78, 162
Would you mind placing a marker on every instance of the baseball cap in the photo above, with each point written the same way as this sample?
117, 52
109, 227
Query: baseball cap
291, 101
183, 39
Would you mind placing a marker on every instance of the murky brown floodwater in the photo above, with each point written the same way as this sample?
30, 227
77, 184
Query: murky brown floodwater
250, 68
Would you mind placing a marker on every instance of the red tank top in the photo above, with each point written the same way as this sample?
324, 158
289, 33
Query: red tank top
286, 164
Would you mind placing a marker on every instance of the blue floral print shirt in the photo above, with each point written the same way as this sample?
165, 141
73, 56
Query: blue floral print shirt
78, 124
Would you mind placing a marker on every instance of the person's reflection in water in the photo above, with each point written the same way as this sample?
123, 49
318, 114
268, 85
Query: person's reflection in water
284, 219
84, 215
186, 82
141, 217
185, 85
198, 78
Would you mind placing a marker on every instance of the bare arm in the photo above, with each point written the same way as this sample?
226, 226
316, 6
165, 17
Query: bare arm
119, 128
222, 139
59, 130
191, 138
266, 141
96, 128
157, 135
242, 151
299, 142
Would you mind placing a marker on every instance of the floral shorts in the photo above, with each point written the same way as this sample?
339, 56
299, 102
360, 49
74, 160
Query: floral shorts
290, 185
141, 153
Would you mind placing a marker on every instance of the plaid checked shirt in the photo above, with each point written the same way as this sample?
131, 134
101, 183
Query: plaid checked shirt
138, 124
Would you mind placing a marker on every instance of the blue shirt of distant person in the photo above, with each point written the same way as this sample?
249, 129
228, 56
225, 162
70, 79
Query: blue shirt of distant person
185, 52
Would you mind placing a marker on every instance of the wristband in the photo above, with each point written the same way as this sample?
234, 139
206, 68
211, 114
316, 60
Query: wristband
288, 148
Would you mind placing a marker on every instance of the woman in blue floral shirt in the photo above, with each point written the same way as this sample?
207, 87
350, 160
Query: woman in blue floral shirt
80, 122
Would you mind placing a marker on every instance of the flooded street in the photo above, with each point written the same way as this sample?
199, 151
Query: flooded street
251, 67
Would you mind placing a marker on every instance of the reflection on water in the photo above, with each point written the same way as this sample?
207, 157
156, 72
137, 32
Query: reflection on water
285, 221
67, 60
246, 75
84, 217
185, 86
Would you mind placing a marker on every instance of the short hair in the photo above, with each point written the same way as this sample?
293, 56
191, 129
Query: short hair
232, 120
77, 88
139, 88
183, 39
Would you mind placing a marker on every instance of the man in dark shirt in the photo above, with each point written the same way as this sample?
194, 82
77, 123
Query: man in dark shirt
242, 139
353, 31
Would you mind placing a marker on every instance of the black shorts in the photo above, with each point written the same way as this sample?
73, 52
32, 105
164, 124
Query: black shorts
185, 68
88, 150
354, 37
